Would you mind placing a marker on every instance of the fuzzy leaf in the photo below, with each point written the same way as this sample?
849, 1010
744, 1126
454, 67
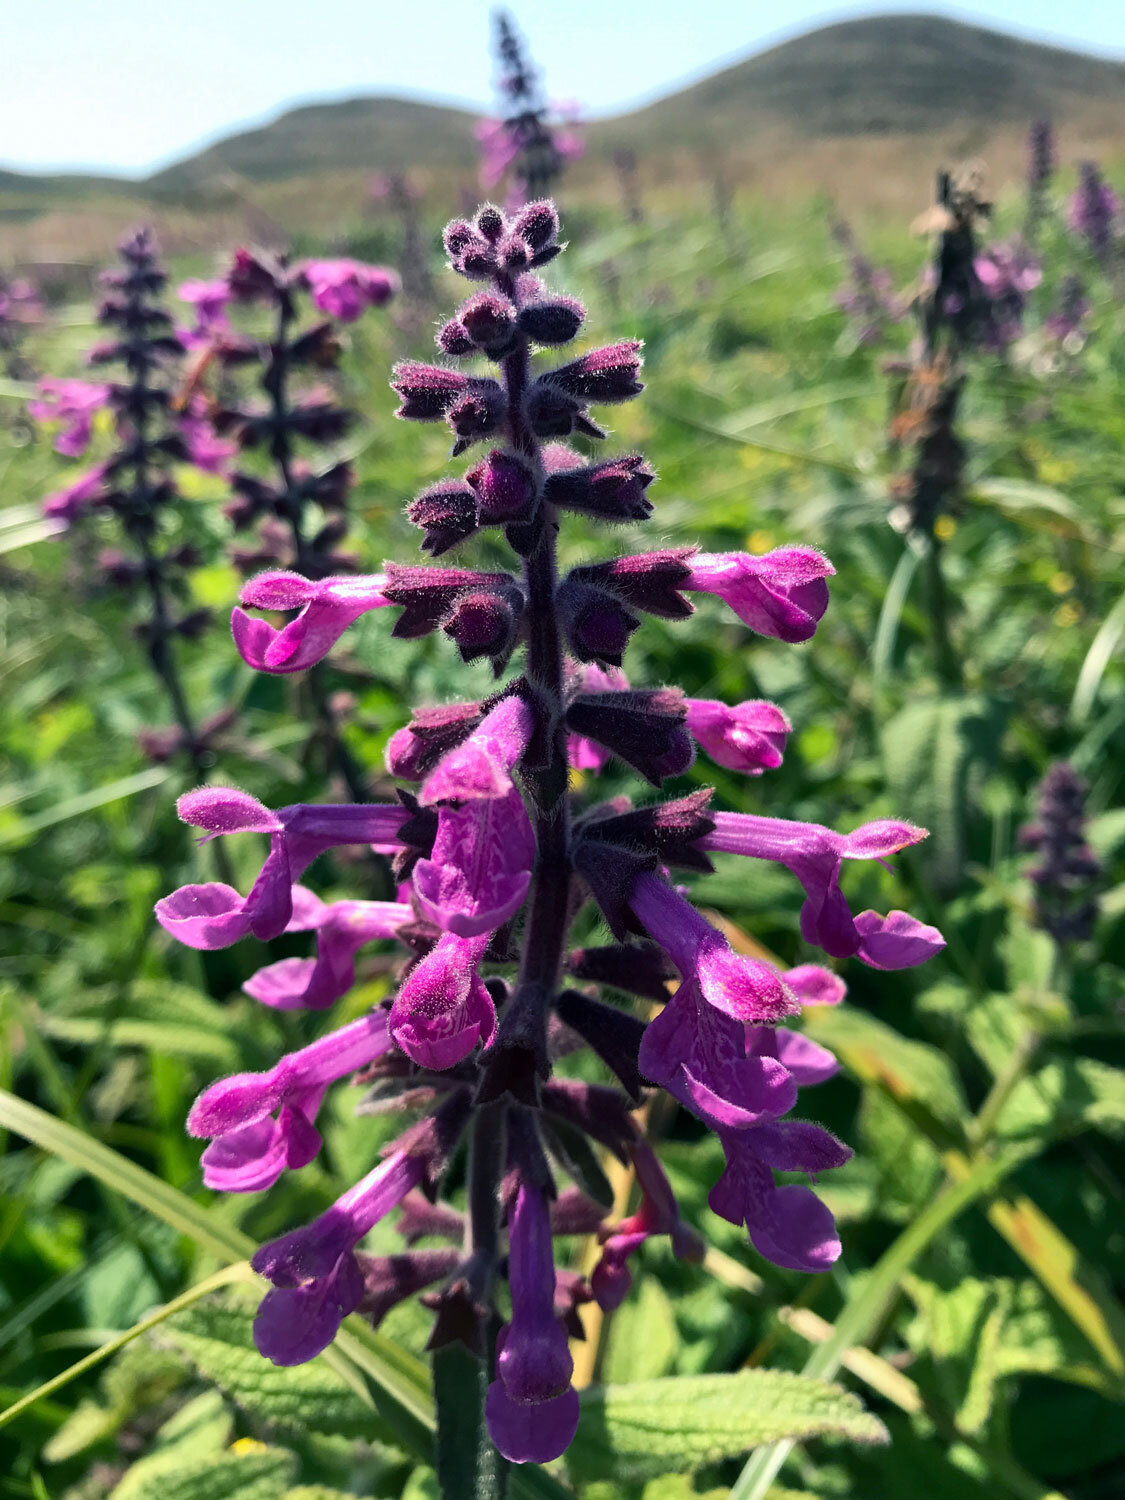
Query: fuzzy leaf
216, 1337
232, 1475
638, 1431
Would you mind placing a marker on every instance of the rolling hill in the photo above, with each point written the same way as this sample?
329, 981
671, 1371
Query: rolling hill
875, 99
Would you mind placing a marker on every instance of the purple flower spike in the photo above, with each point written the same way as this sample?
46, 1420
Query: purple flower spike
531, 1408
443, 1009
327, 607
813, 853
345, 289
342, 929
502, 848
747, 989
781, 594
749, 737
481, 766
317, 1280
480, 868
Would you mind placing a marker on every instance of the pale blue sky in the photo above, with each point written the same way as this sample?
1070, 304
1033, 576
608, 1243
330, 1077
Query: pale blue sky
129, 85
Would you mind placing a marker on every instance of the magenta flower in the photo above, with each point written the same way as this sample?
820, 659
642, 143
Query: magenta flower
215, 915
532, 1408
210, 299
259, 1124
206, 449
781, 594
316, 1278
481, 766
745, 988
326, 608
66, 505
73, 403
342, 928
814, 854
480, 868
749, 737
345, 289
788, 1225
443, 1009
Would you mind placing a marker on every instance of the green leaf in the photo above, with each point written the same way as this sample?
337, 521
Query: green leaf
1066, 1096
1098, 658
643, 1338
216, 1337
232, 1475
871, 1296
928, 748
468, 1466
913, 1073
638, 1431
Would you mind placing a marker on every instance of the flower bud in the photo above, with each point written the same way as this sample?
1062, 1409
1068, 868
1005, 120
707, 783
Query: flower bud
551, 322
505, 487
489, 320
484, 622
596, 624
427, 391
447, 513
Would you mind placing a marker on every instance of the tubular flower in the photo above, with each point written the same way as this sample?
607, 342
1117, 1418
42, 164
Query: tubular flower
497, 850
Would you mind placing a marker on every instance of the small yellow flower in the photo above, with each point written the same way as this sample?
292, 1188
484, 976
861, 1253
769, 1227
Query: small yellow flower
248, 1445
1060, 583
944, 528
1067, 614
759, 541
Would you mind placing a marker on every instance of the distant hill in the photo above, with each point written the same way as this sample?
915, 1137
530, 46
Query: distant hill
863, 108
903, 74
369, 134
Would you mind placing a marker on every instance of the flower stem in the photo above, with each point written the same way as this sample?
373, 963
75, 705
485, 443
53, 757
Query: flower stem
545, 931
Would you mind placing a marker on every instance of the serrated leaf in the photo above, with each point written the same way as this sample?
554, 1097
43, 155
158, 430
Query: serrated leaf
231, 1475
200, 1430
639, 1431
216, 1337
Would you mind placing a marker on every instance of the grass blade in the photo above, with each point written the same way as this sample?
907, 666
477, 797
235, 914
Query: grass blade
240, 1271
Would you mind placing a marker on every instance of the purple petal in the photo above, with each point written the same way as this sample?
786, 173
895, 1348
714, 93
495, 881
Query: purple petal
896, 941
531, 1434
204, 916
806, 1060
